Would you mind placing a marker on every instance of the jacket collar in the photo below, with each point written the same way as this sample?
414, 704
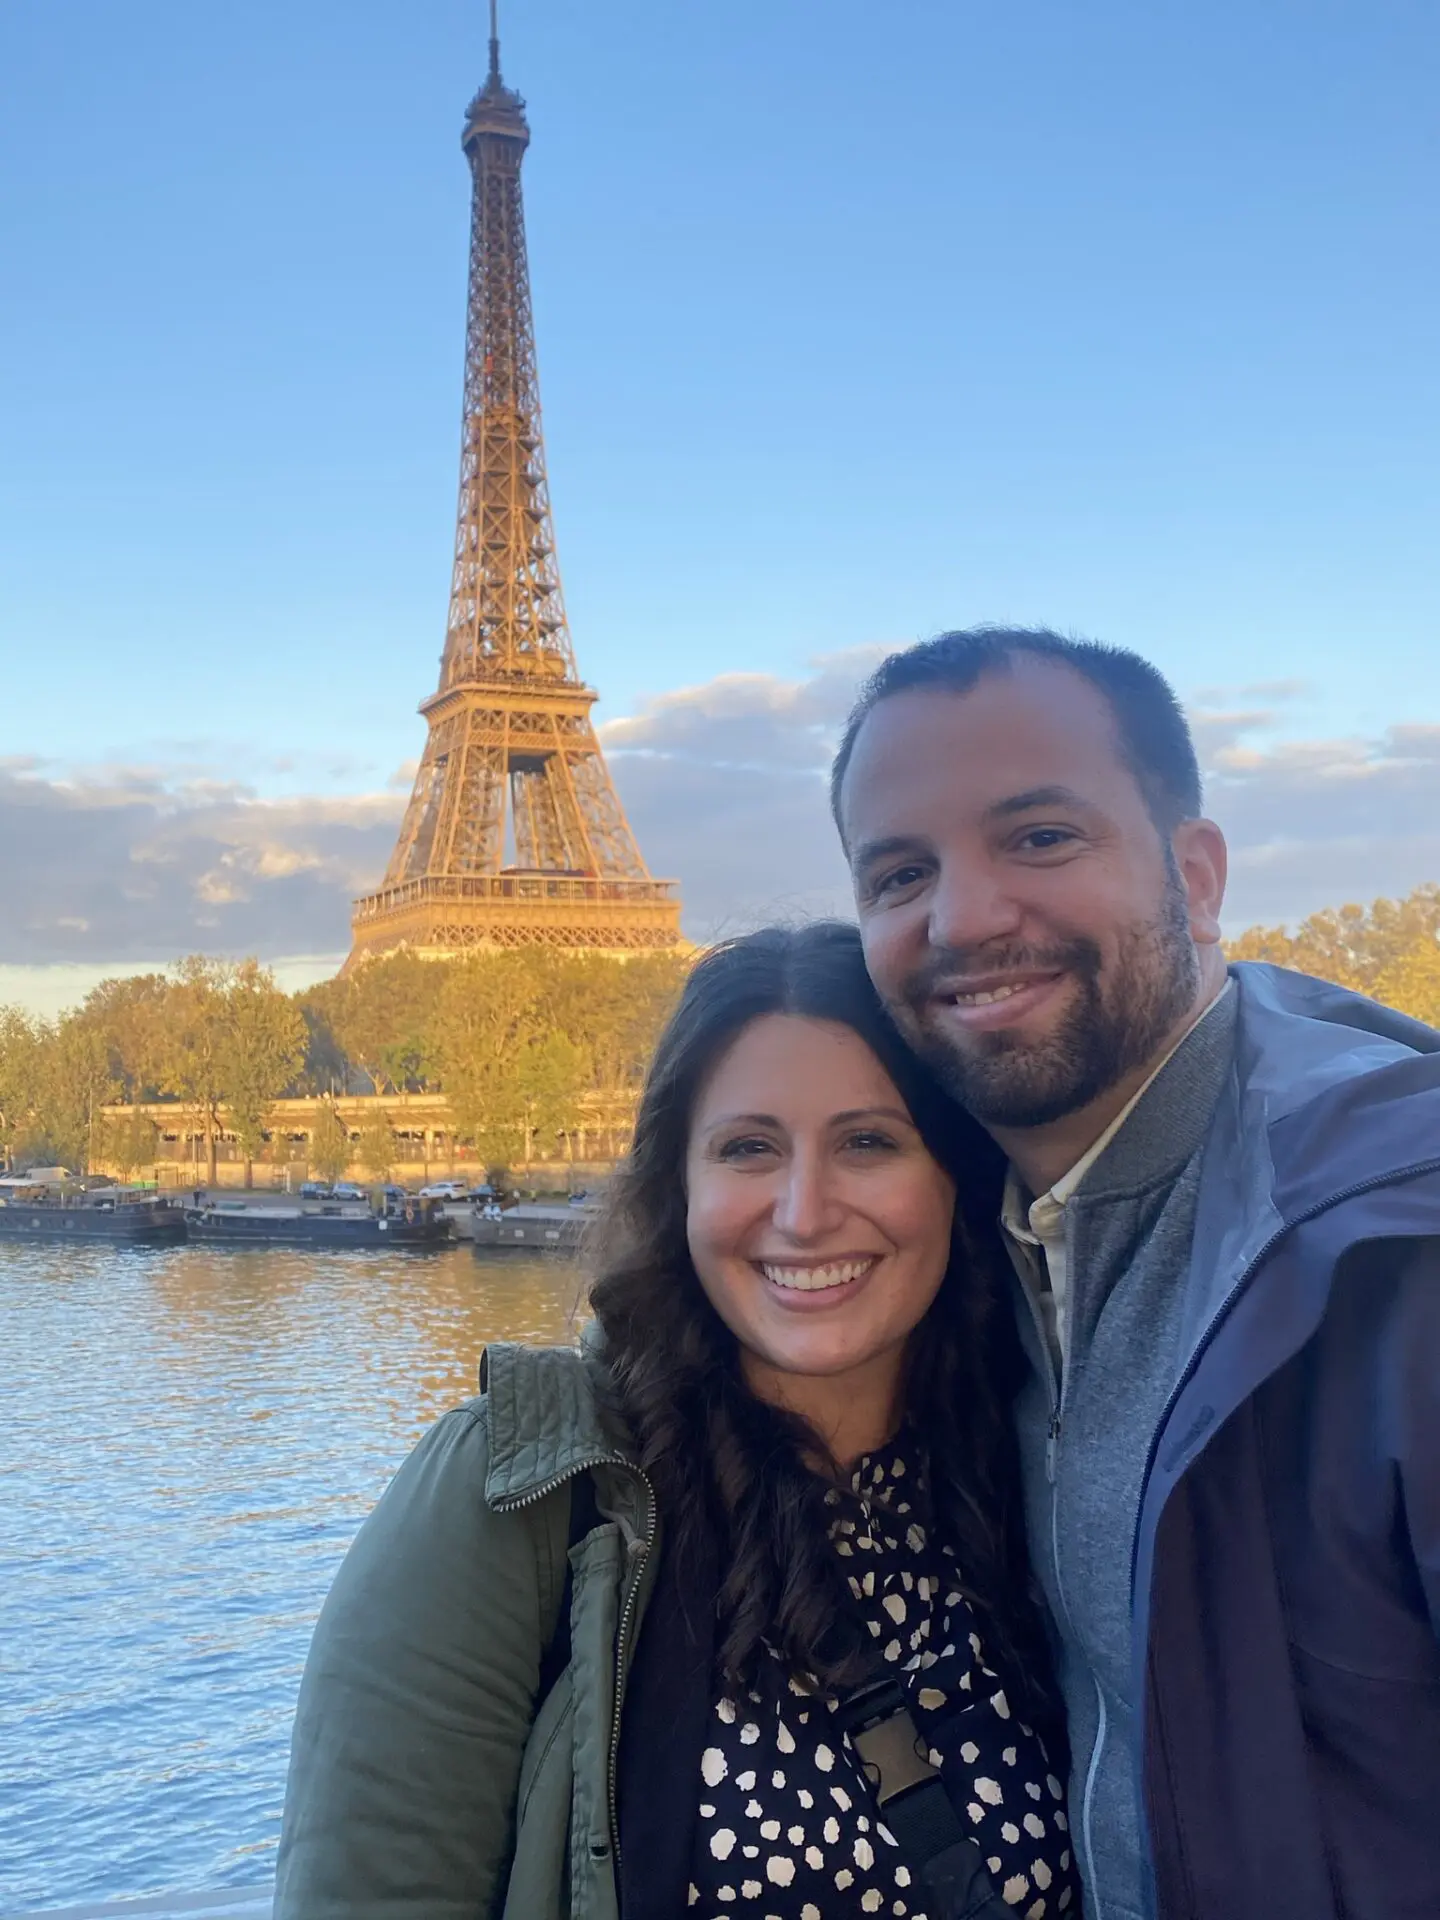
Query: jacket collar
546, 1417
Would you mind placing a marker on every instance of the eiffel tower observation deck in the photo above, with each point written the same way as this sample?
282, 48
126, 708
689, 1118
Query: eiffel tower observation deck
514, 835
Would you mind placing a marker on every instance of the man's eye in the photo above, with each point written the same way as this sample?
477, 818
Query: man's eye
1046, 839
899, 878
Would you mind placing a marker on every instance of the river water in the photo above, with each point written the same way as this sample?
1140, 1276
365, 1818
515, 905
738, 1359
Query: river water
189, 1439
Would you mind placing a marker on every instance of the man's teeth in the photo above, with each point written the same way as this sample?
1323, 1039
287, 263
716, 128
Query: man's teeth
988, 999
815, 1279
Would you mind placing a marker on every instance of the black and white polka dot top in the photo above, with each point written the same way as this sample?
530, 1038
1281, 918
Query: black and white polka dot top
787, 1829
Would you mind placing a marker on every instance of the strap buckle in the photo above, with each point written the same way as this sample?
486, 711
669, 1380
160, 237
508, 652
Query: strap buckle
891, 1752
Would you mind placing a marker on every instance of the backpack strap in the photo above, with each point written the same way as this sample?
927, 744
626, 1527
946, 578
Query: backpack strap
585, 1516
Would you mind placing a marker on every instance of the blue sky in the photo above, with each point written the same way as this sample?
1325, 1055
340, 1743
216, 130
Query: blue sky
854, 322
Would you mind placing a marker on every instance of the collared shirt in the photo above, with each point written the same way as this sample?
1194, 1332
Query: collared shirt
1035, 1228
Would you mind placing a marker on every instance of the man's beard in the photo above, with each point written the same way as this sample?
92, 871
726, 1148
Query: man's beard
1116, 1023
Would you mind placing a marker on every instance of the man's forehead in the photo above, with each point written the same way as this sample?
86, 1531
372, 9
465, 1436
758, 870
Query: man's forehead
1036, 726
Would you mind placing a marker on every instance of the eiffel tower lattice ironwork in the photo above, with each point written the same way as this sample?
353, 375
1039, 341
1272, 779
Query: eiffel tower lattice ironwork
514, 834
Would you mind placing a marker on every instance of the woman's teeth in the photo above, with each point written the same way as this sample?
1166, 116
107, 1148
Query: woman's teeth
814, 1279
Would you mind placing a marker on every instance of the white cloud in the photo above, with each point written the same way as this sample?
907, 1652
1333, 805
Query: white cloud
116, 867
135, 864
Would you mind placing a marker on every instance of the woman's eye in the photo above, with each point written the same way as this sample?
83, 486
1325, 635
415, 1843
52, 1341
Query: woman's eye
750, 1148
870, 1142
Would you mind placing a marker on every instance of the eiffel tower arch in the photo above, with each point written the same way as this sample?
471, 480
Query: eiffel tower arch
514, 834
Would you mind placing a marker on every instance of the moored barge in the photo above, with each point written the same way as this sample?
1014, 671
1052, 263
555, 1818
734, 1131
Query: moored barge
418, 1224
531, 1230
106, 1213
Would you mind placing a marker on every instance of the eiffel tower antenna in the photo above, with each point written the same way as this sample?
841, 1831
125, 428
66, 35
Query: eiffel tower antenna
514, 834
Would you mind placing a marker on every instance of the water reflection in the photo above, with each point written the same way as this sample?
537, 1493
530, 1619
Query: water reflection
191, 1437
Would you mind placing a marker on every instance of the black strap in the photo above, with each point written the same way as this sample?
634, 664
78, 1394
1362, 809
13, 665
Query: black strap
585, 1516
910, 1798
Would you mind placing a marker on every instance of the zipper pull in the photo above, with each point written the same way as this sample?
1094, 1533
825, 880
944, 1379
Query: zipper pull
1052, 1443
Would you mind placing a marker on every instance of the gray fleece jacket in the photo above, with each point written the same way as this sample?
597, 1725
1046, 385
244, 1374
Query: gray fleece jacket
1085, 1439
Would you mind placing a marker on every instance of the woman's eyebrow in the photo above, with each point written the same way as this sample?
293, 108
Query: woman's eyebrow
745, 1119
871, 1113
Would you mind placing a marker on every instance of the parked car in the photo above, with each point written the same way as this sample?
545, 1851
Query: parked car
348, 1190
315, 1190
445, 1190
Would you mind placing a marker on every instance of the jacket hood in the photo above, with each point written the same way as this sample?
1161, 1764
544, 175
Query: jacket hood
1329, 1091
1300, 1035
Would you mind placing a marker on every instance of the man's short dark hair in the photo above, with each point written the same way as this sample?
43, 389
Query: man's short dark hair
1153, 733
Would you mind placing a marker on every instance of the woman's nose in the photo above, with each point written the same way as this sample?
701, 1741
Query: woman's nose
805, 1202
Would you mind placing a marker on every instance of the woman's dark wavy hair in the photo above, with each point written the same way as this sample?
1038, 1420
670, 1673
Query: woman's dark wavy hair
725, 1466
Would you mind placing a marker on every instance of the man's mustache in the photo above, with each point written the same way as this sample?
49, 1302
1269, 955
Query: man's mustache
951, 967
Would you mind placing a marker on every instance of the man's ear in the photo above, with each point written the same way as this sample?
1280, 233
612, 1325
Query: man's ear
1203, 860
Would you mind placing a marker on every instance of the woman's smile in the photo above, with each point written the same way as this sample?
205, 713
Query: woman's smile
818, 1221
827, 1276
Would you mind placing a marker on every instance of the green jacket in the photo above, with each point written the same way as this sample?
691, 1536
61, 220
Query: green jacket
426, 1777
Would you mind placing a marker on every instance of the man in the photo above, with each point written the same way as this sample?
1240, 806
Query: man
1223, 1208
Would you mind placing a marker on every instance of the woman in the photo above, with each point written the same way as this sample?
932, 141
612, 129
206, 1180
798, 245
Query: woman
782, 1472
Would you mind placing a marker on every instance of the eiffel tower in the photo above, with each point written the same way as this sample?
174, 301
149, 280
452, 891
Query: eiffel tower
514, 835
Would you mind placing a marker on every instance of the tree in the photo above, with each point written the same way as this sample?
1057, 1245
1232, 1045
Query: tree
549, 1078
132, 1016
130, 1140
260, 1050
1390, 950
69, 1088
191, 1065
21, 1042
487, 1013
1411, 981
330, 1148
375, 1149
380, 1017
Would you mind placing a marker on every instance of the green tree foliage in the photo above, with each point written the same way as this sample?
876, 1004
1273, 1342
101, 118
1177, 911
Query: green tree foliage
330, 1148
190, 1063
129, 1142
375, 1149
133, 1018
22, 1045
516, 1040
379, 1018
1390, 950
261, 1049
54, 1083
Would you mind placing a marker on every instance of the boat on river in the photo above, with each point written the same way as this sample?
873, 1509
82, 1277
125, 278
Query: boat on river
411, 1223
130, 1216
531, 1230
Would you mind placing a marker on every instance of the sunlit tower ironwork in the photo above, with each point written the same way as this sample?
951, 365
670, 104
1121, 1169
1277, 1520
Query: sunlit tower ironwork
514, 834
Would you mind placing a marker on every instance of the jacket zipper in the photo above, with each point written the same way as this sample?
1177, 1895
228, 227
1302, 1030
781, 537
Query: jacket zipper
627, 1612
1201, 1346
1052, 1460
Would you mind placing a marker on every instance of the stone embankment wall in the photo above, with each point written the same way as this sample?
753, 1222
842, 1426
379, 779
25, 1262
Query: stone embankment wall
426, 1147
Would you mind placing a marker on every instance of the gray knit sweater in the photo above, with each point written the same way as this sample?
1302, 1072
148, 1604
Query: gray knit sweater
1084, 1442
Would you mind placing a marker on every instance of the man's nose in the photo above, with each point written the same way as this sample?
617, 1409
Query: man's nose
971, 904
805, 1203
